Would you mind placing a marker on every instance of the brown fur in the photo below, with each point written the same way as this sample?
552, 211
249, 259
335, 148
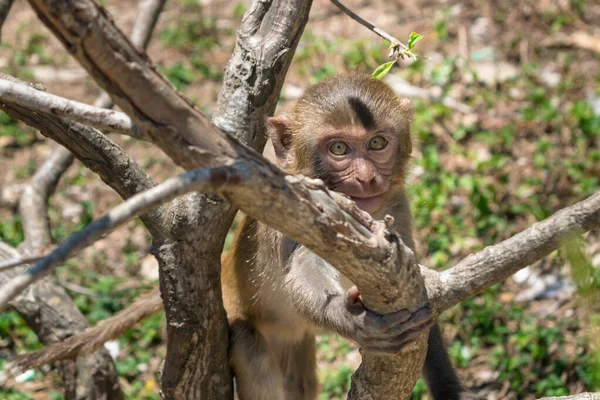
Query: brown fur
274, 309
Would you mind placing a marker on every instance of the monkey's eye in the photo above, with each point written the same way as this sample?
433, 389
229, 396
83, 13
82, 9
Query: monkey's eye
378, 143
338, 148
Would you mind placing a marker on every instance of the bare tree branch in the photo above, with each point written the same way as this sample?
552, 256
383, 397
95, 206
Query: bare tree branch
538, 240
169, 120
149, 11
96, 151
496, 263
87, 341
33, 205
37, 100
398, 48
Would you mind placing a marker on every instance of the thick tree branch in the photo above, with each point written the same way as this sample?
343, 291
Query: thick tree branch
169, 119
266, 41
352, 229
327, 214
37, 100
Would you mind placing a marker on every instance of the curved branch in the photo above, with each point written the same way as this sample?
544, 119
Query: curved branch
87, 341
38, 100
97, 152
496, 263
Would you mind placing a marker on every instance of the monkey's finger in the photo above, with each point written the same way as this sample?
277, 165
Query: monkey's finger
396, 344
419, 318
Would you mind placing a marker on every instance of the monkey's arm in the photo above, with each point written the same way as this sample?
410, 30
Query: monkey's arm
313, 285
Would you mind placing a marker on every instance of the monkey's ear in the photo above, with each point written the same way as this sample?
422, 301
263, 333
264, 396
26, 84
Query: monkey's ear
281, 136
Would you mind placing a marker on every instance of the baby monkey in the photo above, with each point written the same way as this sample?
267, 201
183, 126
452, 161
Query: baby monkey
352, 132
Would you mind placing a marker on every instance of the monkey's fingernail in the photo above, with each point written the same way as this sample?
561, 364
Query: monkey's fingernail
389, 221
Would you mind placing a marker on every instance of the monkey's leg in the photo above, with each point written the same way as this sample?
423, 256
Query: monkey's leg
300, 371
257, 373
438, 372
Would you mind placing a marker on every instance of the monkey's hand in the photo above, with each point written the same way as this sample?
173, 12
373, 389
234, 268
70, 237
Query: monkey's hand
377, 333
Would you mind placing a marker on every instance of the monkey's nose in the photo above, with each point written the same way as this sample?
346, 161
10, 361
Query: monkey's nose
365, 173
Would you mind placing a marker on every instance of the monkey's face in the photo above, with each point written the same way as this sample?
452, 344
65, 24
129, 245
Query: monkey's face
359, 163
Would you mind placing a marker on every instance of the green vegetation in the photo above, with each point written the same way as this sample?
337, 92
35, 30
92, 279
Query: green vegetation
528, 149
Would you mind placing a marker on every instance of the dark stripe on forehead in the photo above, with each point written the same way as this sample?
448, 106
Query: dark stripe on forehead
364, 115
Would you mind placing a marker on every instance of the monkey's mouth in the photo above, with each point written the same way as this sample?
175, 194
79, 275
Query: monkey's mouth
369, 204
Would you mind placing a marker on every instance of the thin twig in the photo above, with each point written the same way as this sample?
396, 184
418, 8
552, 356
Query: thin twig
77, 288
395, 44
97, 117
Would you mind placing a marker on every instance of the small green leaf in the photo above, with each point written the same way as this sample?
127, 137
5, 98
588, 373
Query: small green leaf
383, 69
413, 39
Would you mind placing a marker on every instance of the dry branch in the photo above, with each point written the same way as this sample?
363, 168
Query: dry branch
145, 21
17, 262
398, 49
87, 341
580, 396
47, 309
496, 263
37, 100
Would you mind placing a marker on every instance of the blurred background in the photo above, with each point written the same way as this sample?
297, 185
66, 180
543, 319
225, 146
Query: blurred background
507, 124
